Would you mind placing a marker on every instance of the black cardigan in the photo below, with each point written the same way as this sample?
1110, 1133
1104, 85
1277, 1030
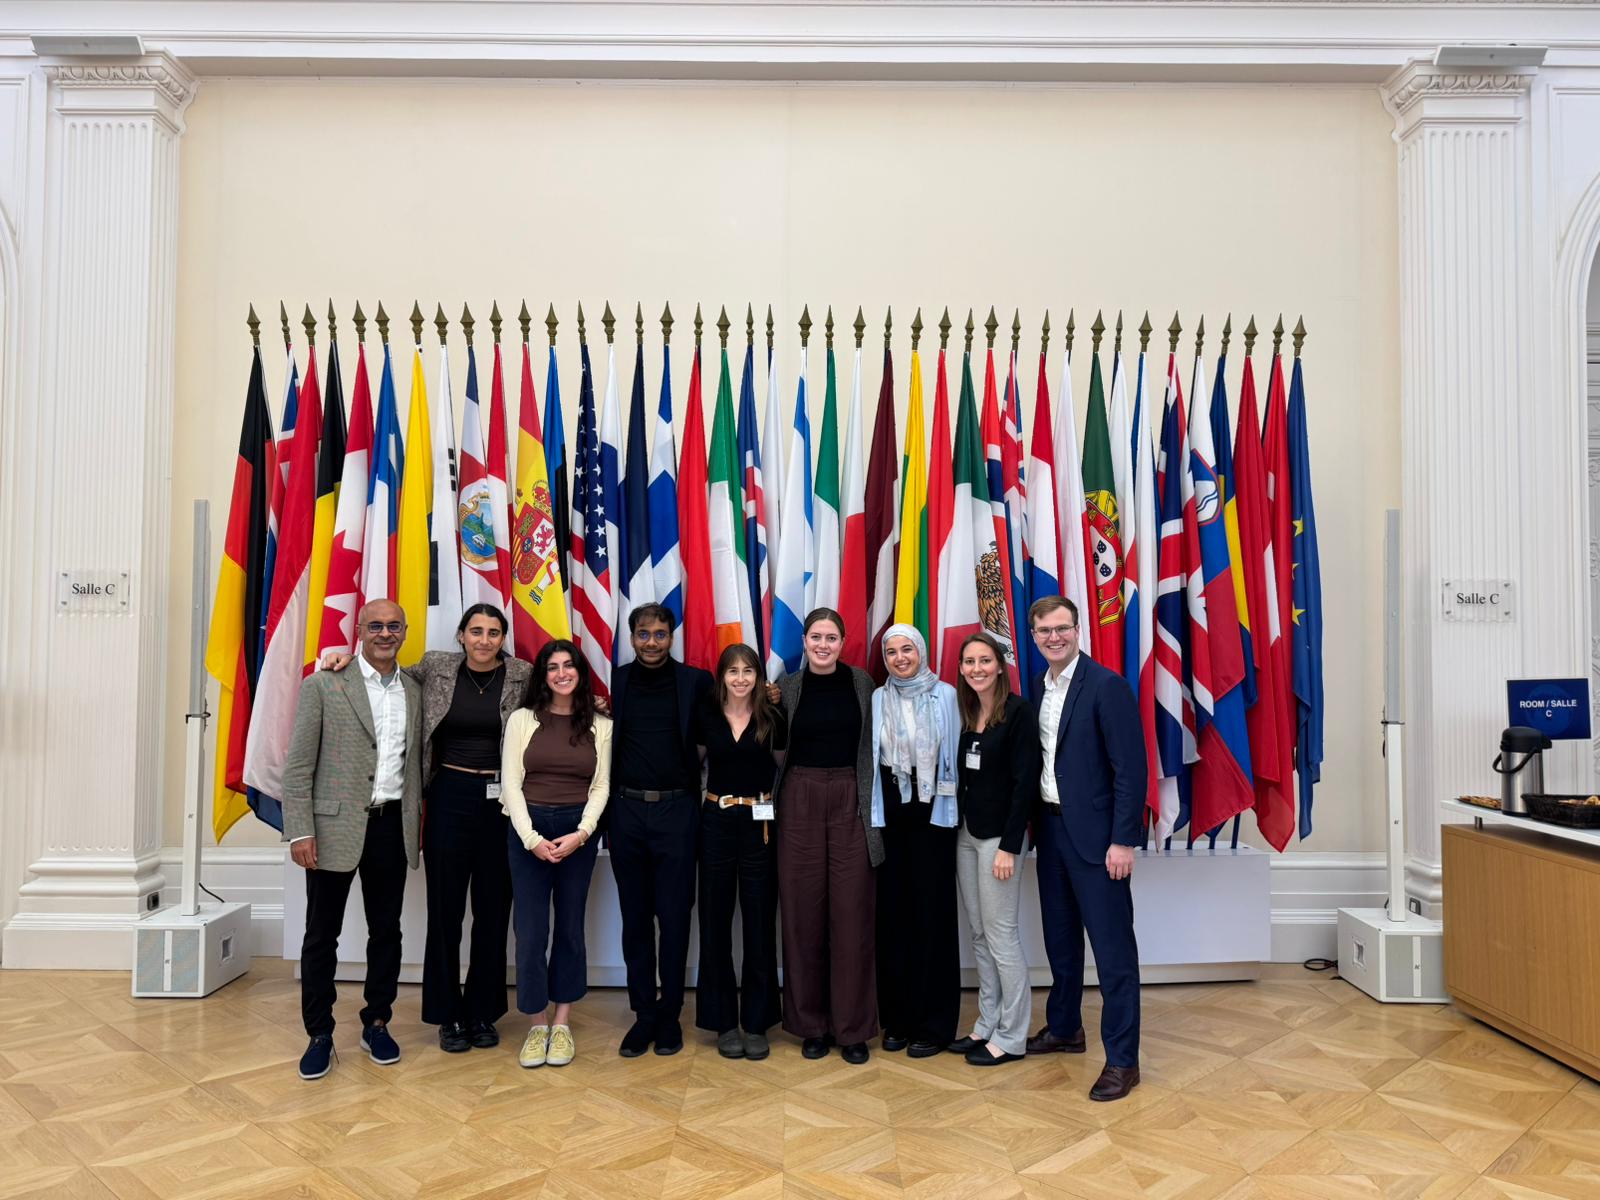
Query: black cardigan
997, 799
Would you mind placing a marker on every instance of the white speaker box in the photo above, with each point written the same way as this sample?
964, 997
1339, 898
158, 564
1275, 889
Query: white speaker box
177, 955
1395, 962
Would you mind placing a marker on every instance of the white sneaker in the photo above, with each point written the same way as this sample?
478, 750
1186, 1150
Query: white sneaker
535, 1046
562, 1047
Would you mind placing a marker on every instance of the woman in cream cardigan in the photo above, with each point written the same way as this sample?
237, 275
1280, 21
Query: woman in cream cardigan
556, 770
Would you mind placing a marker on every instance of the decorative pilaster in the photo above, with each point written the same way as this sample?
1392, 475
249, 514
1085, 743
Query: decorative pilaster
1465, 350
106, 332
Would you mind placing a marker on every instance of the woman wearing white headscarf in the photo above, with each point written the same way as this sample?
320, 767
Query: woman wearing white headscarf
915, 730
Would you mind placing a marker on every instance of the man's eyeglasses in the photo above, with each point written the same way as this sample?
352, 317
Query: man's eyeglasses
652, 635
377, 627
1047, 633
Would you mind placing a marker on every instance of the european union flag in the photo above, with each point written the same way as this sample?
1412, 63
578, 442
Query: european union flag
1306, 645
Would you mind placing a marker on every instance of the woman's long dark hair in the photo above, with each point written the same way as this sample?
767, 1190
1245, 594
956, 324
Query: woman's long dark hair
539, 694
967, 700
760, 706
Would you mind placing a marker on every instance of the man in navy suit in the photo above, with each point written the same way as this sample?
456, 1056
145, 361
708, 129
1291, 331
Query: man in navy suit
1089, 820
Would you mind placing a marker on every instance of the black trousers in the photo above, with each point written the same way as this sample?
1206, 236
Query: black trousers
653, 859
551, 970
919, 956
464, 853
383, 891
737, 861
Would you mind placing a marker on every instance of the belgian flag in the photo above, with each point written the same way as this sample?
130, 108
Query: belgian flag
233, 649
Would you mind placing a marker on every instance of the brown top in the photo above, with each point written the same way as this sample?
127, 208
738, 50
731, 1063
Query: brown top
554, 770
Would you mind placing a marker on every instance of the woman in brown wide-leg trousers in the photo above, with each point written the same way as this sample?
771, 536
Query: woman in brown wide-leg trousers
827, 850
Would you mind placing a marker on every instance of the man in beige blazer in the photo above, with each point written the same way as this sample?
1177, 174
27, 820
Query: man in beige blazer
352, 801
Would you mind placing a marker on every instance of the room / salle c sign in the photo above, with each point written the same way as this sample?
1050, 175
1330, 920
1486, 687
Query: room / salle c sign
1488, 600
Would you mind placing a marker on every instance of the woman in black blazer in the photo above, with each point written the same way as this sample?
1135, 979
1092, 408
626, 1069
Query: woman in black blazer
997, 767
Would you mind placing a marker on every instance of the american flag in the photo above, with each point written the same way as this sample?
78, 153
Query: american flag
595, 494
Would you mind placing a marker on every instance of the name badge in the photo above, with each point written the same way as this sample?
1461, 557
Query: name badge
491, 790
944, 788
974, 759
763, 812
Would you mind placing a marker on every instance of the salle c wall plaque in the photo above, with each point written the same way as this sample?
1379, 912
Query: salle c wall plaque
1485, 600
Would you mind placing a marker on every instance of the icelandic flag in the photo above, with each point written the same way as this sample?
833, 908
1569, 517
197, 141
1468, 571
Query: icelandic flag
665, 559
636, 575
796, 558
383, 493
1041, 534
755, 503
594, 491
1175, 733
1306, 613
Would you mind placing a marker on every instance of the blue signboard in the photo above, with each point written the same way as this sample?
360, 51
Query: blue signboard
1557, 708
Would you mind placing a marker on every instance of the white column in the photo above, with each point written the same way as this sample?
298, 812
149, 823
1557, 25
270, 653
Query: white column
1466, 358
102, 428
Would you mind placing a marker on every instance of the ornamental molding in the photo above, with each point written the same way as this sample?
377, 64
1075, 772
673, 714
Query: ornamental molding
1418, 81
174, 83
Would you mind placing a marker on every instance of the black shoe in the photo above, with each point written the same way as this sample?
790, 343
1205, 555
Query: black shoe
1114, 1083
379, 1044
816, 1047
920, 1049
855, 1053
1045, 1042
979, 1056
964, 1045
669, 1037
893, 1042
483, 1035
453, 1038
315, 1062
637, 1040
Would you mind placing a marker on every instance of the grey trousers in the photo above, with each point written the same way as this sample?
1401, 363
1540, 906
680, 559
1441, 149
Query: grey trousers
1005, 1001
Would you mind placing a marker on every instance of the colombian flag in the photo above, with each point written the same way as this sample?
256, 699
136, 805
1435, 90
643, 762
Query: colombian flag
414, 550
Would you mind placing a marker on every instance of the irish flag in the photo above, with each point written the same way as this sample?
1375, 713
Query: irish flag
825, 506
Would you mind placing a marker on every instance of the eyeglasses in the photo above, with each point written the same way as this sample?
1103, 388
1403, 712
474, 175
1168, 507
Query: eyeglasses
652, 635
1053, 632
377, 627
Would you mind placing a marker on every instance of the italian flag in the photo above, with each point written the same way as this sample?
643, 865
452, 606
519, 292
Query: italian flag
825, 507
735, 620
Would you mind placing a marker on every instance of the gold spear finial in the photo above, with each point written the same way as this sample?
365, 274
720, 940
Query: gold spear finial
550, 323
495, 321
1250, 336
582, 338
805, 324
944, 329
1016, 330
638, 321
1277, 337
698, 325
1227, 335
970, 328
827, 327
333, 324
860, 327
990, 326
1098, 329
310, 323
888, 326
749, 324
361, 323
1199, 335
283, 315
1116, 345
1044, 335
608, 322
416, 322
383, 324
1173, 331
722, 326
769, 329
467, 323
442, 324
1145, 329
916, 330
254, 322
1299, 335
525, 319
1071, 329
666, 324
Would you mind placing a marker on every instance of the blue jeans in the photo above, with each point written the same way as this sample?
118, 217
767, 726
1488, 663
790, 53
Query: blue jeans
535, 884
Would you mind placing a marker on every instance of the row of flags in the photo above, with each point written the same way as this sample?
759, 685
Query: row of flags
1189, 550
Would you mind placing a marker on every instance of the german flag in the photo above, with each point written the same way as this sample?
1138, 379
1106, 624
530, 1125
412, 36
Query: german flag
233, 649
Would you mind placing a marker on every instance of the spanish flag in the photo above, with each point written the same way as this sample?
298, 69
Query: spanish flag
233, 649
413, 551
538, 595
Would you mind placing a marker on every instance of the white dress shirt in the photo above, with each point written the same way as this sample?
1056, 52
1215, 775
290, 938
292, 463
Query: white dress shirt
1050, 706
387, 698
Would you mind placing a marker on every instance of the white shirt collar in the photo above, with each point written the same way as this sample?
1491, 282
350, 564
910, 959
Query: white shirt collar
1063, 680
370, 672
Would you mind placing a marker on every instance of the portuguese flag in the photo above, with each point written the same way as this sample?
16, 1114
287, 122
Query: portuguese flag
1105, 538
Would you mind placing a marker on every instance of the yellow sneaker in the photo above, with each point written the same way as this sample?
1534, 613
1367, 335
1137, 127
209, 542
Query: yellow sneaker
536, 1047
562, 1047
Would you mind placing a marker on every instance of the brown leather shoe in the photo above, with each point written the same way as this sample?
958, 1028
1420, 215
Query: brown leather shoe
1114, 1083
1045, 1042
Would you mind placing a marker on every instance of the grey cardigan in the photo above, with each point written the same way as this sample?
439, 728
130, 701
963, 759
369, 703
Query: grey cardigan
866, 765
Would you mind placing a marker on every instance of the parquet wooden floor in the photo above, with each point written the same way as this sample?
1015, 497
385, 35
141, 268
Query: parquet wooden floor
1298, 1086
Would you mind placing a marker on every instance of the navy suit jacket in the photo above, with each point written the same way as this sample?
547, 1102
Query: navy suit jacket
694, 685
1100, 766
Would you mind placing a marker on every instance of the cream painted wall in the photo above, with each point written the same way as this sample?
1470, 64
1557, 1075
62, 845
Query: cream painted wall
1201, 199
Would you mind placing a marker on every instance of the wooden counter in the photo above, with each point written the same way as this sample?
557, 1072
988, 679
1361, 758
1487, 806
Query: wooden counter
1522, 937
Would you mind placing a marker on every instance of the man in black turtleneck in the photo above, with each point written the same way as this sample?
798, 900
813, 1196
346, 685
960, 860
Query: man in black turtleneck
654, 820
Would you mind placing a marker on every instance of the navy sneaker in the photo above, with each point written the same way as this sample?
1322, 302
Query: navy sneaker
317, 1059
375, 1040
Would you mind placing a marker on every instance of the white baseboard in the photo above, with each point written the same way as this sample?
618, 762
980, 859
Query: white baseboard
1308, 889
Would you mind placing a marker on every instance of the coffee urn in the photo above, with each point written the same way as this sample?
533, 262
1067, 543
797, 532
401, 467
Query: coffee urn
1520, 765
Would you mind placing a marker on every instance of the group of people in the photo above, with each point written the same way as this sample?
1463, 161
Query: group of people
872, 811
